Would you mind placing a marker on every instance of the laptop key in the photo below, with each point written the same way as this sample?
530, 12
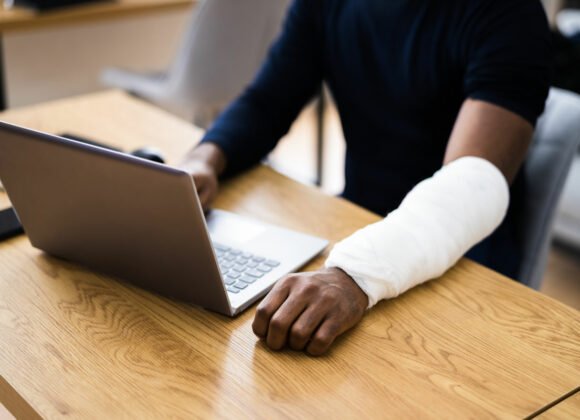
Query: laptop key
254, 273
241, 285
239, 268
232, 289
248, 279
264, 268
272, 263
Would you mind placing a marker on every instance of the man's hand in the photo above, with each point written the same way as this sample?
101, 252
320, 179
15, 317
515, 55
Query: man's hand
307, 311
205, 163
206, 182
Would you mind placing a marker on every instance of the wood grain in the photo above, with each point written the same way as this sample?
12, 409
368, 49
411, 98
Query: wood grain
78, 344
17, 19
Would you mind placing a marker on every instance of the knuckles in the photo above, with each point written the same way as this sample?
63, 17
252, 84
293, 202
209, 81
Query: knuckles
319, 345
331, 330
299, 334
263, 312
324, 339
330, 295
308, 289
285, 282
277, 324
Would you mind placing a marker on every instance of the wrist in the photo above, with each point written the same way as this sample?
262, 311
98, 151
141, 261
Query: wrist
359, 295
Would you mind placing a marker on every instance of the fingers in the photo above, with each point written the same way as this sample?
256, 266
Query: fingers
282, 320
304, 327
205, 198
206, 191
267, 308
324, 337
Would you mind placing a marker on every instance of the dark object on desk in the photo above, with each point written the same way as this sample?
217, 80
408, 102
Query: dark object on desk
43, 5
9, 224
148, 153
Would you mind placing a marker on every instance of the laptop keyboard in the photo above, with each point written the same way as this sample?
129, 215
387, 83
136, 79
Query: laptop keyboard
240, 269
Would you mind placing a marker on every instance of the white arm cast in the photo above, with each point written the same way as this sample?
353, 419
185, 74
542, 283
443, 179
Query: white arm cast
437, 222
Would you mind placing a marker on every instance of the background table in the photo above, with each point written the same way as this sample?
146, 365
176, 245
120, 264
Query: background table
76, 343
19, 18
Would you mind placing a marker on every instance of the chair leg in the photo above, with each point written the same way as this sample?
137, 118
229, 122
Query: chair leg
3, 92
320, 109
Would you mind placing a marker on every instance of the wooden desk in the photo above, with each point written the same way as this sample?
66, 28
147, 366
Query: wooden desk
470, 344
18, 19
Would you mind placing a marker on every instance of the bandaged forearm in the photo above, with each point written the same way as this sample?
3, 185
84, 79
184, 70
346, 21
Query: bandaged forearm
436, 224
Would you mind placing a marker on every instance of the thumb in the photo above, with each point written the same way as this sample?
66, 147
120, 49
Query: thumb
205, 199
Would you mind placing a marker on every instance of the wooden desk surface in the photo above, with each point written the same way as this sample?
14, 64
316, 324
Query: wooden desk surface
22, 18
470, 344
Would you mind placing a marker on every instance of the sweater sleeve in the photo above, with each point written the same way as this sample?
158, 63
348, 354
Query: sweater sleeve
508, 56
252, 125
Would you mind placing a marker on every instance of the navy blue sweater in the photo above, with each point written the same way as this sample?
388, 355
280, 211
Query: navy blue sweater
399, 71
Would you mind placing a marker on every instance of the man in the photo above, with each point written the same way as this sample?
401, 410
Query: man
418, 84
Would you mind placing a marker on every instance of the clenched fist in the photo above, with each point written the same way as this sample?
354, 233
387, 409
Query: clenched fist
307, 311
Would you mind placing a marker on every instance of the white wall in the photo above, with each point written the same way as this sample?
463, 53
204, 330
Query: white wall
56, 62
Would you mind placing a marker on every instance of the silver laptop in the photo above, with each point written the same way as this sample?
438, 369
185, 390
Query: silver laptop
142, 222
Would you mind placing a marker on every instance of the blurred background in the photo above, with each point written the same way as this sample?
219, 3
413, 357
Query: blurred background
167, 55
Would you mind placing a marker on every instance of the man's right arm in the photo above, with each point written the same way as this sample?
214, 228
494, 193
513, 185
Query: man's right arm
252, 125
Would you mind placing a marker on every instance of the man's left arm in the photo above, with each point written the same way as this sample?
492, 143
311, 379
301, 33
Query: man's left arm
308, 311
492, 133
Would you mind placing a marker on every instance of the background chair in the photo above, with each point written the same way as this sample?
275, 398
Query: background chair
224, 45
567, 224
554, 146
